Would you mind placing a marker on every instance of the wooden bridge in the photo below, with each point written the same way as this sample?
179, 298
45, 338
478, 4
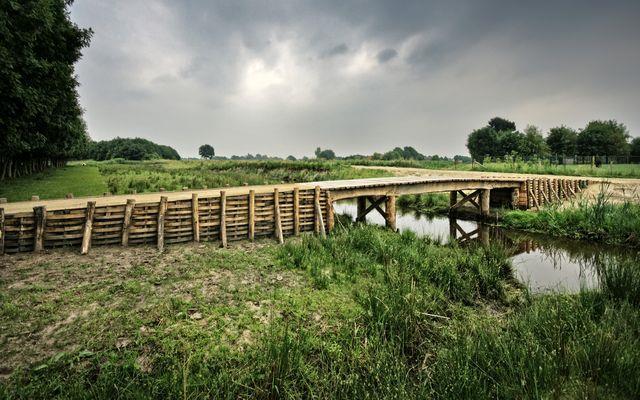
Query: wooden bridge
248, 212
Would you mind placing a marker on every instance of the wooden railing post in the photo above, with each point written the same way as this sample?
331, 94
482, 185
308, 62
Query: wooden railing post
276, 216
40, 216
252, 215
162, 210
195, 217
126, 223
88, 227
319, 223
223, 217
296, 211
485, 195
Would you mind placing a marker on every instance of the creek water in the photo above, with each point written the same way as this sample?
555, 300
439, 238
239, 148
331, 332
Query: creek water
541, 262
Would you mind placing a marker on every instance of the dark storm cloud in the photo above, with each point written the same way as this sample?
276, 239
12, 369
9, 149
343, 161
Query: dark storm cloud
284, 77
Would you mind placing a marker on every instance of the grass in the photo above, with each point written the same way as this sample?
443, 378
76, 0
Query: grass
600, 221
55, 183
365, 313
428, 203
122, 177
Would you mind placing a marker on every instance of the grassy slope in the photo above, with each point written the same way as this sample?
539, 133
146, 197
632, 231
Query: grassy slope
599, 221
55, 183
366, 313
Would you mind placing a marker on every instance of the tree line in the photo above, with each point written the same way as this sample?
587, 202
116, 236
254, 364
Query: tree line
129, 149
500, 139
40, 117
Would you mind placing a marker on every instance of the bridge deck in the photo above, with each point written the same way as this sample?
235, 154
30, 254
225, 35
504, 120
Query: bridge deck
340, 189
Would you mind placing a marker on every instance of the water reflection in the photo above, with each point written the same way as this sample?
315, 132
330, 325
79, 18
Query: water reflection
541, 262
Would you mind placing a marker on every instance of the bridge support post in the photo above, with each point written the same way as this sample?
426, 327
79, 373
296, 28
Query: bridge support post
453, 200
485, 196
362, 206
390, 211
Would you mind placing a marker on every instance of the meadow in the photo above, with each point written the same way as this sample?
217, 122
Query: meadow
126, 177
364, 313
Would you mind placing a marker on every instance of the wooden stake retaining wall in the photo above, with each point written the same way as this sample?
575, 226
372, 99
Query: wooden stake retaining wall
165, 222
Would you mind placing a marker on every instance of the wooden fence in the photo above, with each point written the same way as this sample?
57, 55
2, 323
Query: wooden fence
541, 191
224, 218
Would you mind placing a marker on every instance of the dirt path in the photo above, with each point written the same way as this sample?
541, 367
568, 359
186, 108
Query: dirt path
619, 189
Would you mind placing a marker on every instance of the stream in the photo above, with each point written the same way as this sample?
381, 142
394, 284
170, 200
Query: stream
541, 262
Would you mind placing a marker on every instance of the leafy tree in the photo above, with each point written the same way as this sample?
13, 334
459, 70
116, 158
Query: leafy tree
534, 144
562, 140
326, 154
635, 147
206, 151
291, 158
603, 138
395, 154
501, 124
410, 153
510, 142
40, 117
130, 149
483, 142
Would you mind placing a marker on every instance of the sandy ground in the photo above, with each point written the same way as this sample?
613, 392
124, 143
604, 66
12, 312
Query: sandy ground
617, 189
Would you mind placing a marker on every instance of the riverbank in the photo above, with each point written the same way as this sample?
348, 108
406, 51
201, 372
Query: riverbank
363, 313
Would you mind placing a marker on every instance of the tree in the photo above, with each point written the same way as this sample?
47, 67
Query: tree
605, 138
291, 158
326, 154
483, 142
40, 116
395, 154
562, 140
635, 147
129, 149
207, 151
510, 143
501, 124
534, 144
410, 153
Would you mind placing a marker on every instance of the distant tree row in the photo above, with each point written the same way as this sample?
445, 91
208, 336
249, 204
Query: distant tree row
41, 121
130, 149
499, 139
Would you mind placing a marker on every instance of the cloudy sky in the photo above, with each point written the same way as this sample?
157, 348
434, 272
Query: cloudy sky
283, 77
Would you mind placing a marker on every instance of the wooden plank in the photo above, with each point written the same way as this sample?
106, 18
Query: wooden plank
126, 221
195, 217
467, 197
296, 211
277, 221
223, 217
375, 204
2, 231
471, 199
88, 227
162, 209
485, 196
251, 228
40, 217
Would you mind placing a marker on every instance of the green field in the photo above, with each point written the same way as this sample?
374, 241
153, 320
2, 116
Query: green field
55, 183
365, 313
122, 177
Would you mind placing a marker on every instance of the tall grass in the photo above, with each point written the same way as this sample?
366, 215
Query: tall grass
152, 175
545, 168
423, 321
600, 220
428, 203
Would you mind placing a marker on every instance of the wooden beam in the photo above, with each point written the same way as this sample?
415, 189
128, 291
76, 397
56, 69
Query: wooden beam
2, 231
485, 196
252, 215
390, 210
88, 227
360, 211
296, 211
375, 203
40, 217
534, 199
276, 216
162, 210
223, 218
318, 212
467, 198
453, 198
126, 222
330, 213
543, 191
195, 217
